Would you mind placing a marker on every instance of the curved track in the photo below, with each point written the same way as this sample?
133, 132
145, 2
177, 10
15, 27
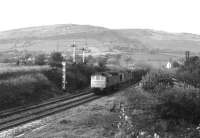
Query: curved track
22, 115
9, 112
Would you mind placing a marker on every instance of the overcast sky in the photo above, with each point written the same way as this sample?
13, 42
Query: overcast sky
166, 15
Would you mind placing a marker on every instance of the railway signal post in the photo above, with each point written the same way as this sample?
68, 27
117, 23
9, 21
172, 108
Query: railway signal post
64, 75
83, 55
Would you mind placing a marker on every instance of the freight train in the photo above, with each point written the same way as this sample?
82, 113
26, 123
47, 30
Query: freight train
102, 82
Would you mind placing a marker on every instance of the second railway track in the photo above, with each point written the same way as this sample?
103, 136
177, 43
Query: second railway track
8, 112
18, 116
22, 115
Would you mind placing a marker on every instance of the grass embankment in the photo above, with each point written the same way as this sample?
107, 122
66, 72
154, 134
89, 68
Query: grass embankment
177, 110
174, 114
149, 109
24, 85
156, 107
15, 71
101, 117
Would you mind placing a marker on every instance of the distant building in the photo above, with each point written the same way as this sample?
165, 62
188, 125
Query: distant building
131, 66
169, 65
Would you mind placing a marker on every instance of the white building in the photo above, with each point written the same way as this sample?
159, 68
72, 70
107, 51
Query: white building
169, 65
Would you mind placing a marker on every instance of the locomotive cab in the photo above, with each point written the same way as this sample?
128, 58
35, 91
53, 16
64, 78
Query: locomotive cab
101, 82
98, 81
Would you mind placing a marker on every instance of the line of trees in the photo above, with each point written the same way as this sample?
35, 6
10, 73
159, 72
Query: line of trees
55, 59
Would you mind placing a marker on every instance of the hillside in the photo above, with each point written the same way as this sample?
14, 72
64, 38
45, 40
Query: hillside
55, 37
60, 37
98, 40
163, 40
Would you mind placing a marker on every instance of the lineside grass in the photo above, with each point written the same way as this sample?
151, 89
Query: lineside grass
25, 89
14, 71
24, 85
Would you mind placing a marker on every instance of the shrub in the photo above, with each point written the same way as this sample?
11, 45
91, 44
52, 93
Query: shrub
55, 76
24, 89
191, 78
139, 73
102, 61
77, 75
55, 59
180, 103
190, 72
157, 80
16, 71
175, 64
40, 59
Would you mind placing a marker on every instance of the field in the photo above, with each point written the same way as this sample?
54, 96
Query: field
157, 60
141, 59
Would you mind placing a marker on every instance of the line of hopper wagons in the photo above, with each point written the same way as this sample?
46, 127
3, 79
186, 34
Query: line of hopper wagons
105, 82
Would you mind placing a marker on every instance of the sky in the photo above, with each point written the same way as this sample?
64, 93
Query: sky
165, 15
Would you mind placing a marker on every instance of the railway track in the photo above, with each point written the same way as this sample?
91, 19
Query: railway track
6, 113
24, 114
11, 118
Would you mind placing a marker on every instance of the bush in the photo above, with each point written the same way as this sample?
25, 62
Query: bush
77, 75
40, 59
16, 71
102, 61
180, 103
155, 81
175, 64
24, 89
55, 59
191, 78
190, 72
139, 73
55, 76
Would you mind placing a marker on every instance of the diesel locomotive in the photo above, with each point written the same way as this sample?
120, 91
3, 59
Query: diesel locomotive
102, 82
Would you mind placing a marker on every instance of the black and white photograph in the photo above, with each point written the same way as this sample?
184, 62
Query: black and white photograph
99, 69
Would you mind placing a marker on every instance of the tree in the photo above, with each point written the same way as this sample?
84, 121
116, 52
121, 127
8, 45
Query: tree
175, 64
55, 59
40, 59
190, 72
90, 60
27, 55
102, 61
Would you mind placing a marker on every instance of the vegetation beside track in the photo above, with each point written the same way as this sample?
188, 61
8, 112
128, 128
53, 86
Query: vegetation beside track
25, 89
25, 85
161, 106
174, 110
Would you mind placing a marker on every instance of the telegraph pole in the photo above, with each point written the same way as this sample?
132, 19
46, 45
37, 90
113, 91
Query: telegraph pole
74, 52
